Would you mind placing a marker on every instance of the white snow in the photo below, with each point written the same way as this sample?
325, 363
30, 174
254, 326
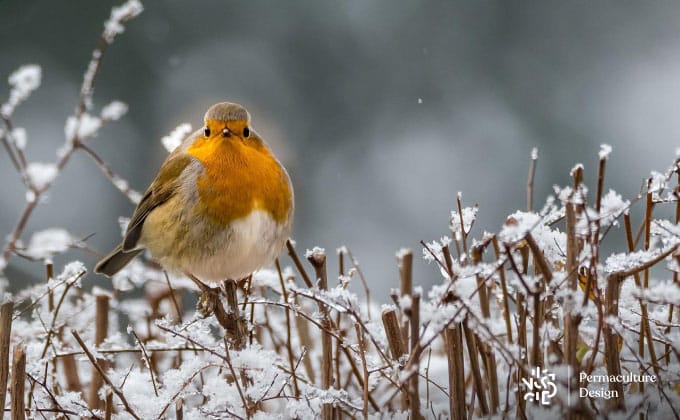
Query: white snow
23, 81
314, 251
82, 128
114, 26
534, 153
41, 174
605, 150
19, 137
665, 292
174, 139
657, 183
114, 111
612, 206
517, 225
578, 166
436, 248
46, 243
89, 124
402, 252
469, 216
624, 260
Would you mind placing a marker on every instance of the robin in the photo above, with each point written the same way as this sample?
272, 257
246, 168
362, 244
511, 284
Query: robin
220, 207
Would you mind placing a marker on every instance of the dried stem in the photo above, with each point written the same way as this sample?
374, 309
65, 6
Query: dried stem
572, 319
454, 352
318, 261
362, 353
475, 370
179, 410
504, 288
100, 334
414, 391
394, 338
108, 405
5, 338
289, 345
18, 381
530, 179
298, 265
147, 359
405, 265
227, 357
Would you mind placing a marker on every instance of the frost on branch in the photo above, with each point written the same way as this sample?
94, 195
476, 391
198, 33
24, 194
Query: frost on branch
82, 128
612, 207
19, 137
114, 26
114, 111
23, 81
46, 243
605, 151
314, 251
41, 174
174, 139
469, 214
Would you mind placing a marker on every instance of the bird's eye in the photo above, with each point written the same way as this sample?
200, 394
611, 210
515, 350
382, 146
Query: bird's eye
246, 132
206, 131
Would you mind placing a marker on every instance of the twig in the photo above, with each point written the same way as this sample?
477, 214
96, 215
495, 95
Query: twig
367, 291
474, 368
227, 358
47, 390
298, 264
391, 325
318, 261
504, 289
405, 265
108, 405
289, 346
84, 101
100, 334
454, 351
106, 379
147, 359
179, 411
5, 336
414, 320
18, 381
530, 179
173, 297
362, 353
115, 179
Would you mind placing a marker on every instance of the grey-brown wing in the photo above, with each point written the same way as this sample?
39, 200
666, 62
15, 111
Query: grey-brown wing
162, 188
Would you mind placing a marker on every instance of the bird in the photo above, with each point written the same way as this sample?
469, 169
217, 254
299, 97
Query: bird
220, 207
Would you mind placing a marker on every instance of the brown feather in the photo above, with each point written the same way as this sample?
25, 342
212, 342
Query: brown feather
162, 188
115, 261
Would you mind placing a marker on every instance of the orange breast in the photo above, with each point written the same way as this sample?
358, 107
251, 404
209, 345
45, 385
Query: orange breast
238, 179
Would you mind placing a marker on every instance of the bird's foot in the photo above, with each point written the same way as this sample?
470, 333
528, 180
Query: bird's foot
208, 302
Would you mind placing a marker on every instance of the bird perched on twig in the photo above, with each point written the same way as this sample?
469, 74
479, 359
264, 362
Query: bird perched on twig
220, 207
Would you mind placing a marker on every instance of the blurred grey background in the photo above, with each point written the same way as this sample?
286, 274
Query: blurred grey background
381, 110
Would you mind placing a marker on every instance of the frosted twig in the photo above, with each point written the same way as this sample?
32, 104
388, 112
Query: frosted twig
106, 379
147, 359
118, 16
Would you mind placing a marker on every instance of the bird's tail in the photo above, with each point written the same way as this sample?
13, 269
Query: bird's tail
115, 261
